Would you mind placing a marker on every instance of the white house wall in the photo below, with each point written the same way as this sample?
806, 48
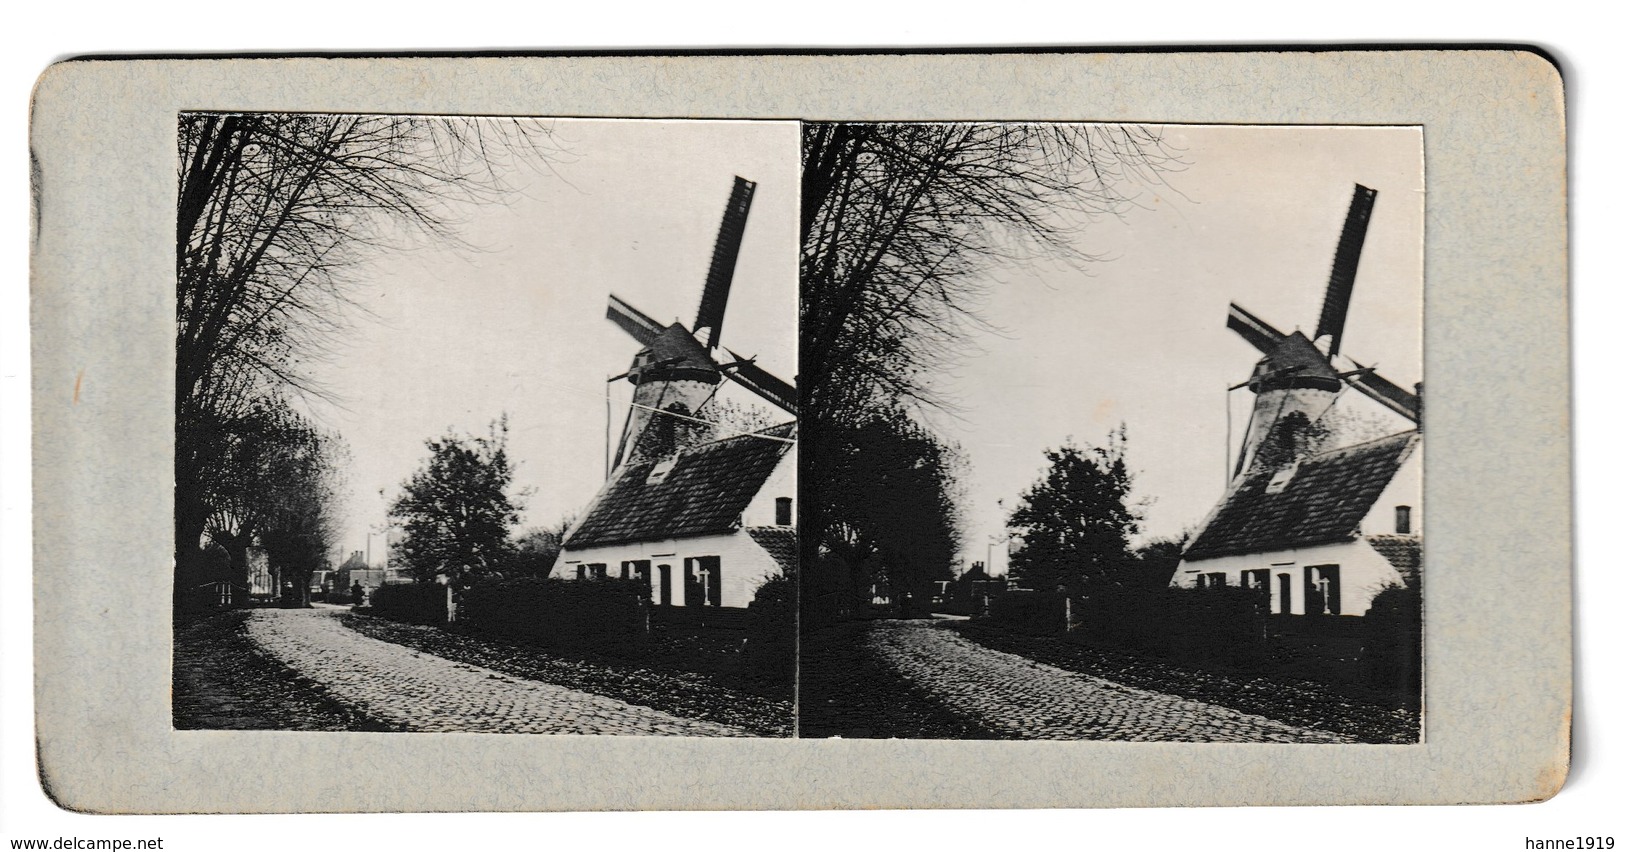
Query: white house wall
762, 511
1405, 489
1362, 570
743, 562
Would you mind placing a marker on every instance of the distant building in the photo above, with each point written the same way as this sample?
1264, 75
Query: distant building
355, 570
262, 579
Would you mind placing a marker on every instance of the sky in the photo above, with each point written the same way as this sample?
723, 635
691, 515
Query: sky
1253, 216
452, 338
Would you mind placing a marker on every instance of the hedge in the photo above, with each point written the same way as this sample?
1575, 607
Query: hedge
1195, 625
601, 614
411, 603
1043, 613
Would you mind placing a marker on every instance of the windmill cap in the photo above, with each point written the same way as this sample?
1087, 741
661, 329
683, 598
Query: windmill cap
674, 354
1294, 363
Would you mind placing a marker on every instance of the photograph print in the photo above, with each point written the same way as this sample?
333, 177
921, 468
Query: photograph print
1112, 432
485, 425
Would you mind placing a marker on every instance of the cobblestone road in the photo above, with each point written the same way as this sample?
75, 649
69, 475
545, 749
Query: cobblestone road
421, 692
1031, 700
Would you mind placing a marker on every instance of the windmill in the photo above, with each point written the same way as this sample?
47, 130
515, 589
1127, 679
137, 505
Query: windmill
677, 371
1297, 375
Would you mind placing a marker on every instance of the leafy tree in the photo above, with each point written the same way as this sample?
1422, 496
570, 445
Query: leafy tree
537, 549
1075, 522
304, 514
456, 510
274, 486
893, 498
1155, 562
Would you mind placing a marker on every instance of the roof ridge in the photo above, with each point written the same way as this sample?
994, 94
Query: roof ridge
1407, 434
1325, 502
769, 431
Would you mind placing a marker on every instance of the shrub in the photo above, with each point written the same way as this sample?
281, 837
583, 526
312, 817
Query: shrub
1391, 657
410, 603
770, 630
609, 614
773, 608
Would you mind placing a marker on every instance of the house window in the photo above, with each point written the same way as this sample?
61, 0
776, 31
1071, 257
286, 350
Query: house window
702, 581
581, 572
637, 569
1322, 592
1402, 520
1256, 579
1215, 580
781, 512
593, 571
1281, 479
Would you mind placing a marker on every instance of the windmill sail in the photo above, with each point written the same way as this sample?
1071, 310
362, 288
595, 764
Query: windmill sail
1260, 334
1389, 394
1344, 266
633, 321
724, 256
762, 383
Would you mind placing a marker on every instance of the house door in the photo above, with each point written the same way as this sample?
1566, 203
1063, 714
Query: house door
1285, 581
665, 585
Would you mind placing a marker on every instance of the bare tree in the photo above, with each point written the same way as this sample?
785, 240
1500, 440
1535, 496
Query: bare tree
901, 222
273, 210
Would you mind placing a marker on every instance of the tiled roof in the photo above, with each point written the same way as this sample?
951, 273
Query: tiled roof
1323, 502
1404, 552
779, 542
704, 493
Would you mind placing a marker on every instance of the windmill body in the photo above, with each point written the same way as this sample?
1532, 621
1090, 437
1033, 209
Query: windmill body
701, 525
1317, 525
